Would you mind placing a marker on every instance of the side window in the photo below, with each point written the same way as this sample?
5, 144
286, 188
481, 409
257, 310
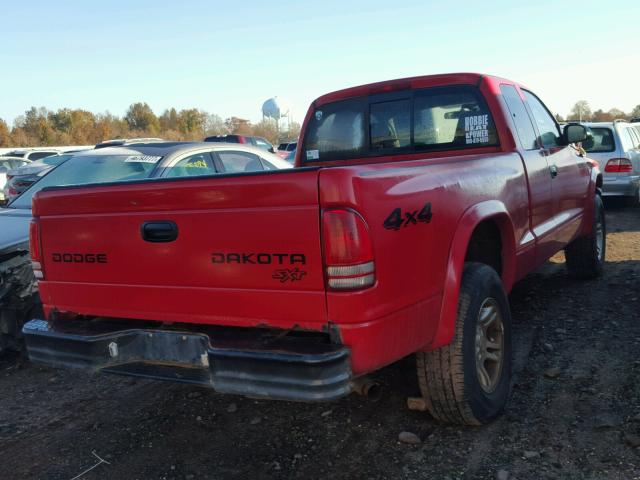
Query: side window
192, 166
635, 137
521, 118
454, 120
236, 162
390, 125
547, 126
39, 155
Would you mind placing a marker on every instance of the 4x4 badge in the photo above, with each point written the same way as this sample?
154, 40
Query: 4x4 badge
398, 218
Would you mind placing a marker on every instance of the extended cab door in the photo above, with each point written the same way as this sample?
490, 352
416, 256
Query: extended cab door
539, 179
569, 173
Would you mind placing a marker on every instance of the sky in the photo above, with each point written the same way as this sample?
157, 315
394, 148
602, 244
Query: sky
229, 57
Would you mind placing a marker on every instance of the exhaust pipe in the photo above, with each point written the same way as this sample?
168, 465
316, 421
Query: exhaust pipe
367, 388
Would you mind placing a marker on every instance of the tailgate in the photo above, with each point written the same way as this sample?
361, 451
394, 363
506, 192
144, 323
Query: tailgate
246, 250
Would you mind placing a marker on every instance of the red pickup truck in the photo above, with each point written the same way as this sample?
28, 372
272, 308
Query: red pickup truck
415, 206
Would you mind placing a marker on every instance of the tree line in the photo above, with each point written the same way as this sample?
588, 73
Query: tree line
582, 111
43, 127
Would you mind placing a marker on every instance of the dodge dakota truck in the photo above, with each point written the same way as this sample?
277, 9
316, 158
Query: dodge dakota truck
414, 206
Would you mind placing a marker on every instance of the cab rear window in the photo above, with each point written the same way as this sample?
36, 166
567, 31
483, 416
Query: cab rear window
447, 118
600, 140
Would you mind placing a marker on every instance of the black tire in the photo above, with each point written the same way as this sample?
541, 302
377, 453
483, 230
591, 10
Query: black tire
448, 377
585, 255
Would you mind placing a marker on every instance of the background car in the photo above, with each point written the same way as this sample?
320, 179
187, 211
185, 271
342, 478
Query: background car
616, 147
259, 142
21, 178
7, 164
32, 153
285, 148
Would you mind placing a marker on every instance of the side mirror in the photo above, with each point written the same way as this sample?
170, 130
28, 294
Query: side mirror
272, 149
574, 133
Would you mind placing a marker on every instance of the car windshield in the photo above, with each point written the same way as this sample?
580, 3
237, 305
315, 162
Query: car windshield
80, 170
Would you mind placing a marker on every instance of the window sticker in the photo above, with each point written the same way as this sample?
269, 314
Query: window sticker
313, 154
476, 129
142, 159
319, 115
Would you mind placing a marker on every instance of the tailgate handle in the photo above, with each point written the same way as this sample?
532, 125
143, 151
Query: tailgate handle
165, 231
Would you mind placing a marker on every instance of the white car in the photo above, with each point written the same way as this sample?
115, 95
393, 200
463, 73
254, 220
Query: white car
32, 153
6, 164
616, 147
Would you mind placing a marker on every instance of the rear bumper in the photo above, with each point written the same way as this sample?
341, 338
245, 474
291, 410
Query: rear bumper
626, 186
287, 368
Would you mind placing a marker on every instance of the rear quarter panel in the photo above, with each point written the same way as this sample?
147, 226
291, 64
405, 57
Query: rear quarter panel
403, 309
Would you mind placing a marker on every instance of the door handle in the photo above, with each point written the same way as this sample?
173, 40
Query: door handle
553, 170
159, 231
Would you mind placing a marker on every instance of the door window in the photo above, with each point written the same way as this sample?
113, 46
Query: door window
390, 125
547, 127
237, 162
521, 119
634, 136
192, 166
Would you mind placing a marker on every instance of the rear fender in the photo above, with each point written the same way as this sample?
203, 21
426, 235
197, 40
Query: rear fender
489, 210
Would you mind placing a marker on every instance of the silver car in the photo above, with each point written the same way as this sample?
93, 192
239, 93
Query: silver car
616, 147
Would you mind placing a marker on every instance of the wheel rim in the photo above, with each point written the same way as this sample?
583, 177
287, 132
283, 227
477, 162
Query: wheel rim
489, 345
599, 238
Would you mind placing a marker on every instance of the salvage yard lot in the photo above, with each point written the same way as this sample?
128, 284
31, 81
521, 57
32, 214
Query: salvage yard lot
574, 413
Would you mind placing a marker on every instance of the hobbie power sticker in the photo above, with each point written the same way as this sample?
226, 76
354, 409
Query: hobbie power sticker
313, 154
142, 159
476, 129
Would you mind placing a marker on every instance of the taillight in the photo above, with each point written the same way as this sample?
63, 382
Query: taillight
35, 249
348, 251
618, 165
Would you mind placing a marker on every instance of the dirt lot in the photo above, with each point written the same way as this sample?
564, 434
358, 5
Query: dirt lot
574, 412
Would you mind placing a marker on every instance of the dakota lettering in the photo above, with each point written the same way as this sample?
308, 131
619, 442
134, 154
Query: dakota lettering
257, 258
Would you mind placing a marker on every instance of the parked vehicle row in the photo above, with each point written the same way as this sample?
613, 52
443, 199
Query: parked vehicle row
414, 207
258, 142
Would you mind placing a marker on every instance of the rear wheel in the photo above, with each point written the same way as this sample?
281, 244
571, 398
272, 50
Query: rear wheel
585, 255
468, 381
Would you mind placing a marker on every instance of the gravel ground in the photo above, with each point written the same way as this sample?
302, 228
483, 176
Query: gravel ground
574, 411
